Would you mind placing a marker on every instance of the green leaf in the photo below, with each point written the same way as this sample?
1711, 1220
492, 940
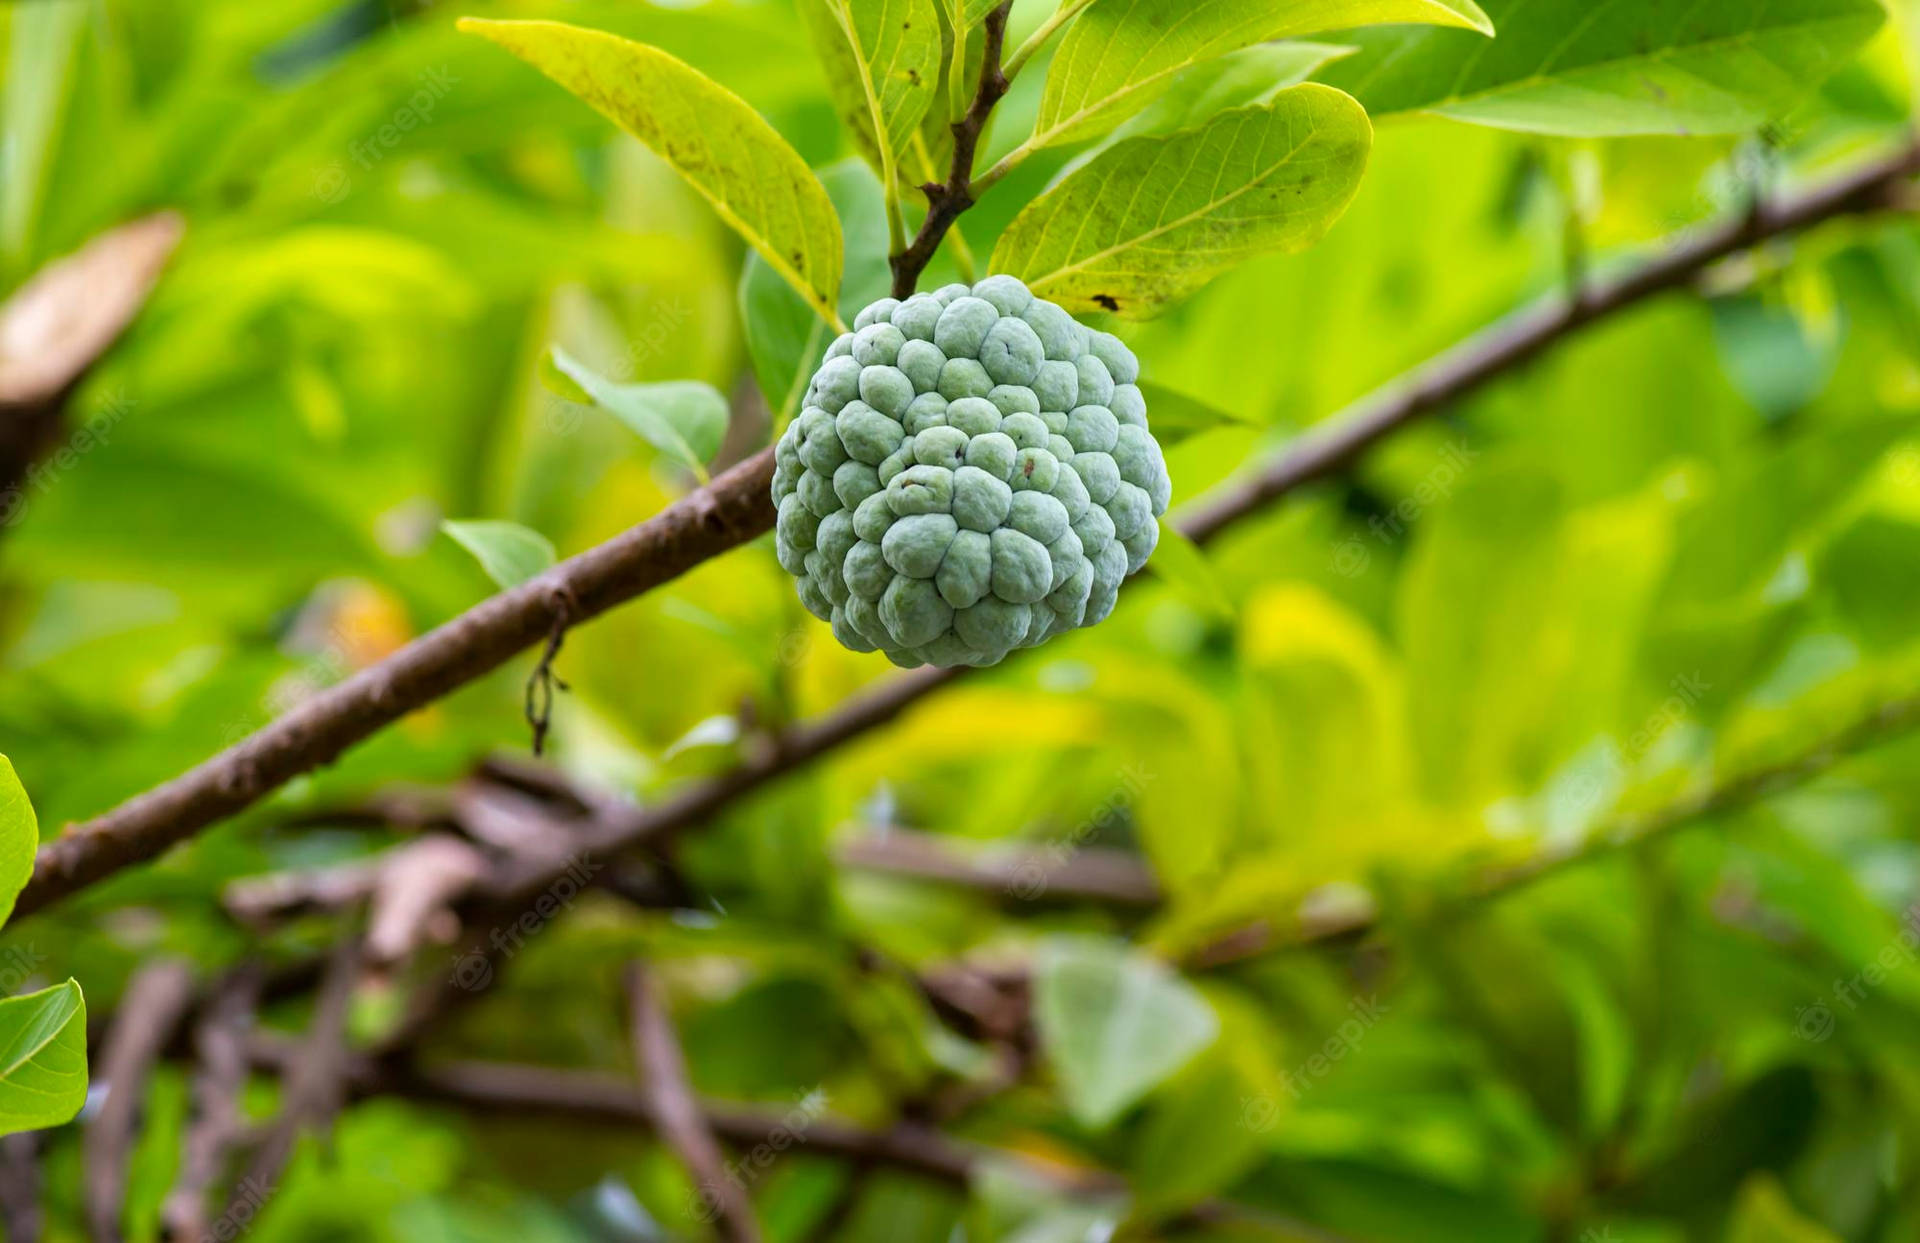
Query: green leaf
1173, 416
1183, 566
724, 149
684, 419
19, 837
882, 60
1764, 1214
1153, 219
1628, 67
509, 553
1120, 54
43, 1058
1252, 75
1196, 1140
1115, 1023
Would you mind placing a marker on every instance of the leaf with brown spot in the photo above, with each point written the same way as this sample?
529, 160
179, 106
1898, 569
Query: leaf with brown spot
882, 62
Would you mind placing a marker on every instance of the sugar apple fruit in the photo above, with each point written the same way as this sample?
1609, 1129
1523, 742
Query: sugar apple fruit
970, 473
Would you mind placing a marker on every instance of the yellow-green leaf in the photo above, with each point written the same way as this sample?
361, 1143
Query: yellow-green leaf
509, 553
725, 150
882, 59
1121, 54
1155, 218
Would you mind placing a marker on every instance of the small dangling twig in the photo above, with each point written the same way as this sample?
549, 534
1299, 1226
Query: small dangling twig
544, 682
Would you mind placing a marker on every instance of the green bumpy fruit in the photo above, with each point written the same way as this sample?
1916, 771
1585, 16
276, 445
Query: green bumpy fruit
970, 473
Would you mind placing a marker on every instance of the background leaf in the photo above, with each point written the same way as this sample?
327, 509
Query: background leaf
1115, 1023
1183, 564
724, 149
1628, 67
43, 1058
509, 553
684, 419
1153, 219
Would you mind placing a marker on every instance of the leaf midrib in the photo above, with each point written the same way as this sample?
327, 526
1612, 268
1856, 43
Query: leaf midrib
1541, 77
66, 997
1212, 205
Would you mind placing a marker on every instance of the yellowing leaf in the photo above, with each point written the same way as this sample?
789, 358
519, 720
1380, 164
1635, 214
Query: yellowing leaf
882, 60
724, 149
1120, 54
1153, 219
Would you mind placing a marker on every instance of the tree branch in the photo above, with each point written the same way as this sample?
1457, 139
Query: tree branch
732, 510
156, 999
947, 200
736, 507
675, 1113
519, 1092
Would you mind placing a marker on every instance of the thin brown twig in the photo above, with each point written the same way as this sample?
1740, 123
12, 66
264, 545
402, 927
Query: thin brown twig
736, 507
217, 1127
543, 683
947, 200
676, 1114
156, 999
20, 1213
314, 1086
1021, 873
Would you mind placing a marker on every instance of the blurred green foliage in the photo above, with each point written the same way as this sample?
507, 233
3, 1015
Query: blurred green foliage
1685, 545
